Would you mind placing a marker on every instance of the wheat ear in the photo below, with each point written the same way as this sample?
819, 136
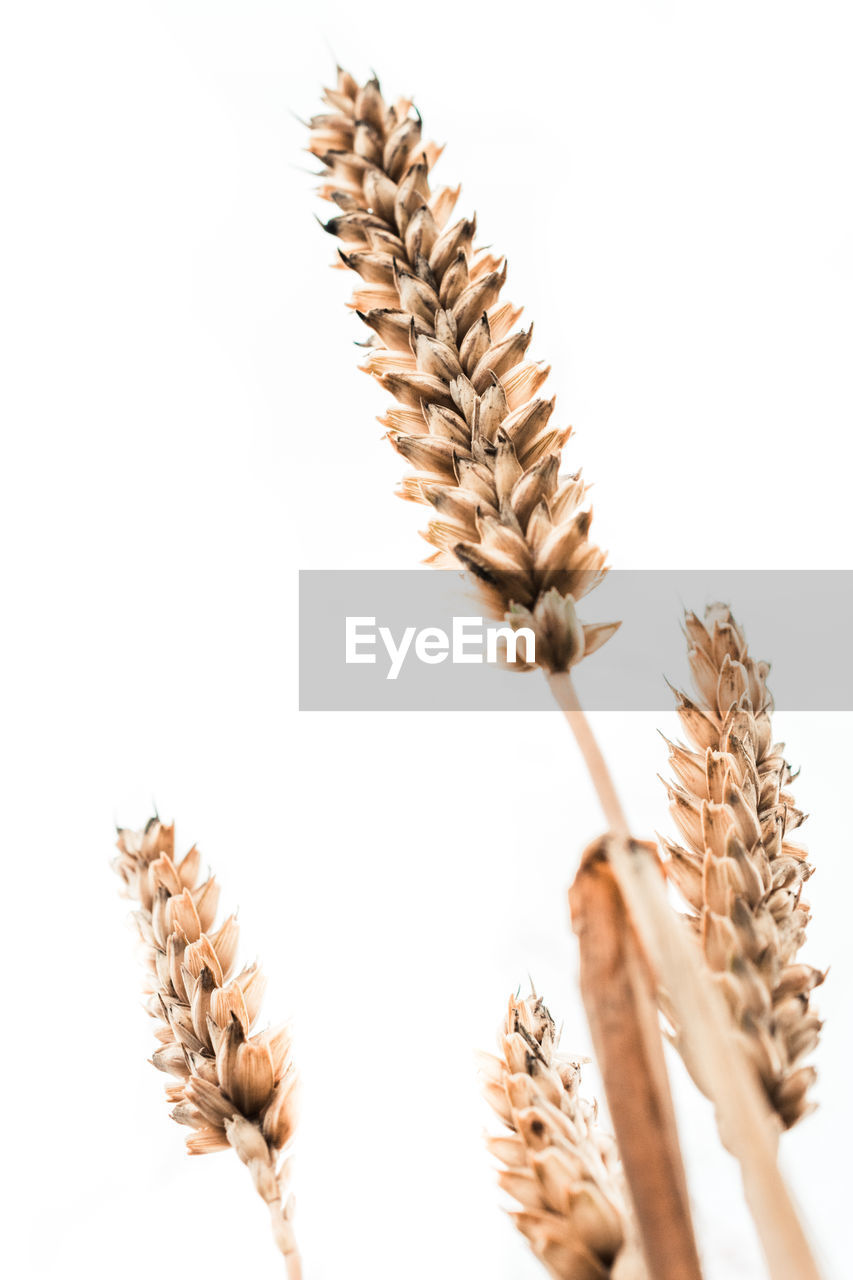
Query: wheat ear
737, 869
231, 1088
468, 417
557, 1162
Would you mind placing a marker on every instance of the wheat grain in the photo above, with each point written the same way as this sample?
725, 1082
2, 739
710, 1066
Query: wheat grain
469, 417
737, 869
230, 1087
557, 1162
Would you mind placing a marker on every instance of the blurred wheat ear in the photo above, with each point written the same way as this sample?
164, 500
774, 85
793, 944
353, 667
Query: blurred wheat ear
557, 1162
232, 1088
738, 870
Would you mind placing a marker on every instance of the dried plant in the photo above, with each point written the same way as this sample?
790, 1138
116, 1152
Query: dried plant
738, 871
470, 420
230, 1087
558, 1163
469, 417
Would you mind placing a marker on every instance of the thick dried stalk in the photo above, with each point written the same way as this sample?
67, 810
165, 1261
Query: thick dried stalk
621, 1005
468, 417
558, 1164
231, 1088
738, 871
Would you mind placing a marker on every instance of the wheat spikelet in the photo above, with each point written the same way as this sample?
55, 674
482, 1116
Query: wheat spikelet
738, 870
558, 1164
230, 1087
468, 416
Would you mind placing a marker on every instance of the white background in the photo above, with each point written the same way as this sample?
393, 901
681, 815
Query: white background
185, 428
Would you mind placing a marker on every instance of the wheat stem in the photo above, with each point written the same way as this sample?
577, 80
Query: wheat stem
565, 693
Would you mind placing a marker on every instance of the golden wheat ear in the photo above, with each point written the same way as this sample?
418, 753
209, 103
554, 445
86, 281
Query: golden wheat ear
557, 1162
232, 1088
739, 872
469, 417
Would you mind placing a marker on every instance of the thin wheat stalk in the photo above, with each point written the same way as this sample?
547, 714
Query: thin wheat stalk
557, 1162
230, 1087
467, 401
737, 869
565, 695
468, 417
